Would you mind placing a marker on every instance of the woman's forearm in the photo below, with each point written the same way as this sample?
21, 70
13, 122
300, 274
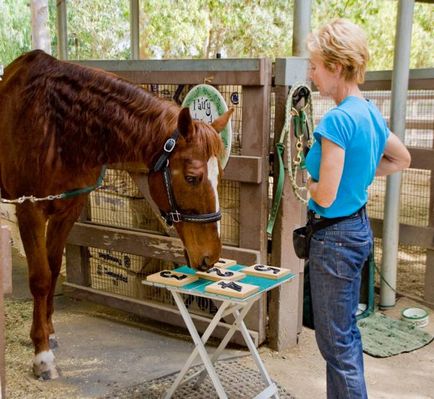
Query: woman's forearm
388, 166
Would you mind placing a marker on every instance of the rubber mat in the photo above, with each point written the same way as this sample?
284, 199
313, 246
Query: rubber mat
239, 382
384, 337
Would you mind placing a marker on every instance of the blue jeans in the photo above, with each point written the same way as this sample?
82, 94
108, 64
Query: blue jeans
337, 255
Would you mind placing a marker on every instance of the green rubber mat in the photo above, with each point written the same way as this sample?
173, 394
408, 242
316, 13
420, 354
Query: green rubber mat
384, 337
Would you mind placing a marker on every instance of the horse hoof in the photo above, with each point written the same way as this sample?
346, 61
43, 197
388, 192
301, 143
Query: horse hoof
44, 367
52, 342
49, 375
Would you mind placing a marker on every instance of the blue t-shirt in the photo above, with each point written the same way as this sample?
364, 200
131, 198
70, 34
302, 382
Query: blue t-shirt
357, 126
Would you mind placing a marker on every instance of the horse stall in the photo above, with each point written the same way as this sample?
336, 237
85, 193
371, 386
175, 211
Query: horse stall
121, 238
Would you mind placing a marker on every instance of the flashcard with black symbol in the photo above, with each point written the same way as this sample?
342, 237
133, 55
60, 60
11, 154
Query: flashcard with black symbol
232, 288
169, 277
217, 274
222, 263
266, 271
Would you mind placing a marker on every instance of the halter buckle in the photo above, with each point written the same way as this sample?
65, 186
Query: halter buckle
169, 145
175, 217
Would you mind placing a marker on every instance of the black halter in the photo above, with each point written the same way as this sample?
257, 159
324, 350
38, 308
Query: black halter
175, 216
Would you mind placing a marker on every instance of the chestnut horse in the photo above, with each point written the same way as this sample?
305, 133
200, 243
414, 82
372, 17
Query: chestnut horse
59, 124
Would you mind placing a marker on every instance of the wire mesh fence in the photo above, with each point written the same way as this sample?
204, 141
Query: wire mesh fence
416, 183
120, 203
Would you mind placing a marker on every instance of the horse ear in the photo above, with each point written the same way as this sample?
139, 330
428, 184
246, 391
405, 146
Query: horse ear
185, 123
220, 123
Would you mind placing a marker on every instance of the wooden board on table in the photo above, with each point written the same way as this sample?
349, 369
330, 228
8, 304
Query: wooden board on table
217, 274
222, 262
169, 277
232, 288
266, 271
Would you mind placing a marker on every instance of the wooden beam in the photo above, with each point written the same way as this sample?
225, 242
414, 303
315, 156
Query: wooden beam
245, 72
245, 169
241, 168
420, 79
422, 158
137, 243
77, 265
408, 235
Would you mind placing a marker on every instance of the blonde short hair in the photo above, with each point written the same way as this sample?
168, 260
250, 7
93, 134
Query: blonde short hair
344, 43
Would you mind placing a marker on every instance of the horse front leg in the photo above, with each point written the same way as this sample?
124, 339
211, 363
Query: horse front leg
58, 229
31, 221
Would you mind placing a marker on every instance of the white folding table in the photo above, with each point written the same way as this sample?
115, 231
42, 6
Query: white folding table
238, 307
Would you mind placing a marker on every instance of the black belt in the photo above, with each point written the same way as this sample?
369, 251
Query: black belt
318, 222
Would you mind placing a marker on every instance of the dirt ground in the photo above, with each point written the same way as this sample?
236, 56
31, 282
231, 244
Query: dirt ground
300, 370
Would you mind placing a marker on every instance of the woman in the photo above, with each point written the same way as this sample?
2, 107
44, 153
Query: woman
352, 144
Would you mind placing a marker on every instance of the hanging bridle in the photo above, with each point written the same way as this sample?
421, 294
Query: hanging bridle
175, 215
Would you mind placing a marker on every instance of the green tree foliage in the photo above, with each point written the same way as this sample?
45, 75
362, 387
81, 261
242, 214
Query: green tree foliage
15, 29
378, 19
203, 28
99, 29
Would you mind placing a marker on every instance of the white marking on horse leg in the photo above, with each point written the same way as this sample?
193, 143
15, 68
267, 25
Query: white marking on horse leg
213, 176
44, 366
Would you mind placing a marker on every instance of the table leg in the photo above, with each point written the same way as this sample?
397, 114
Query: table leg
265, 376
226, 338
200, 347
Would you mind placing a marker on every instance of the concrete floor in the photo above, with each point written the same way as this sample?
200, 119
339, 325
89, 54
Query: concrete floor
101, 349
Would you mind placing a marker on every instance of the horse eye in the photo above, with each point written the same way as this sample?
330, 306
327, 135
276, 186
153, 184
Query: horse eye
192, 180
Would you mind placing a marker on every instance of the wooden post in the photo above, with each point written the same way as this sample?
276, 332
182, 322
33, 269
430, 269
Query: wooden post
5, 287
286, 307
254, 197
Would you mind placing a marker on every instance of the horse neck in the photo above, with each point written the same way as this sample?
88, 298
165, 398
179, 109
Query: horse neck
134, 130
143, 127
100, 119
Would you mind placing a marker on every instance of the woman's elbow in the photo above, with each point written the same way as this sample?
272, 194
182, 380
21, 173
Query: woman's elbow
326, 201
406, 161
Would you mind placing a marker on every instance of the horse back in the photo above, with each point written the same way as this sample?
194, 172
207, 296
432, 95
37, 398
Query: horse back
28, 160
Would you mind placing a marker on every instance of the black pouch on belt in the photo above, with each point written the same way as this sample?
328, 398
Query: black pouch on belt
301, 241
301, 237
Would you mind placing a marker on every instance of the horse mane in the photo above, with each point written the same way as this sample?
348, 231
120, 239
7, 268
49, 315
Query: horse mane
90, 117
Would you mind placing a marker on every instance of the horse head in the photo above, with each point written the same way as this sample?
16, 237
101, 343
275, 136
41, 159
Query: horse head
183, 183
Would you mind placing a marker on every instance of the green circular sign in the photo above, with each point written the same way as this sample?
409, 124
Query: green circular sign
207, 104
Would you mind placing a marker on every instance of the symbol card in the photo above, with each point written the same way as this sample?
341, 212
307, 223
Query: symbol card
266, 271
232, 288
169, 277
217, 274
222, 262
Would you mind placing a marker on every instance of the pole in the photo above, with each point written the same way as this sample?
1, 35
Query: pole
40, 32
62, 30
400, 75
302, 17
134, 29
